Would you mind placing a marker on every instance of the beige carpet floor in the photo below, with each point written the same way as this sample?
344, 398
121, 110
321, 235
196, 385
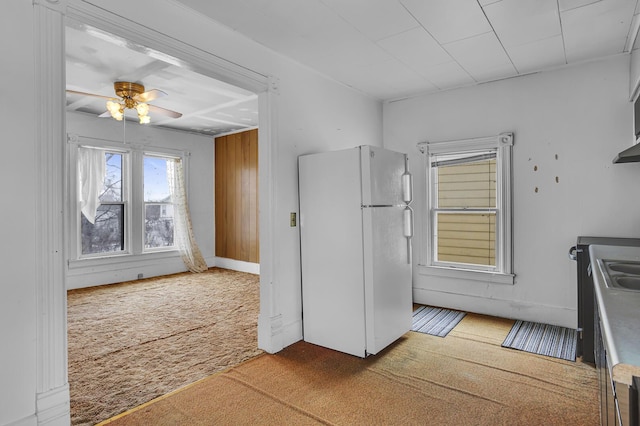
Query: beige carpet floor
132, 342
466, 378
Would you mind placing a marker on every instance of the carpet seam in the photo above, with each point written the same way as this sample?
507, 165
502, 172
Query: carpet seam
146, 342
175, 391
438, 384
498, 368
280, 400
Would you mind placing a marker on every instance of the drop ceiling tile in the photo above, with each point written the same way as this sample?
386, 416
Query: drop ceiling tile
330, 51
300, 17
376, 19
387, 79
233, 13
482, 57
415, 48
447, 75
293, 28
449, 20
538, 55
573, 4
597, 30
523, 21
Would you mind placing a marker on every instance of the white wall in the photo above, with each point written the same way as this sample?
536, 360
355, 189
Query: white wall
85, 273
311, 113
17, 216
582, 115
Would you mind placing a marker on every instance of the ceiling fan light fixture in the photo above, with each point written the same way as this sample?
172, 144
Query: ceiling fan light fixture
116, 110
142, 108
132, 96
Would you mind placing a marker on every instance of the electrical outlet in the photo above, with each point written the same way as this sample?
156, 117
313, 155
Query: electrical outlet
140, 276
293, 219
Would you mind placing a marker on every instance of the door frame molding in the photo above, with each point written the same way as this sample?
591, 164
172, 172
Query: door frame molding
52, 391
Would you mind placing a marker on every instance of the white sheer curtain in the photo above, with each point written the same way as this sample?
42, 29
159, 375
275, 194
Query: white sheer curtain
91, 173
183, 232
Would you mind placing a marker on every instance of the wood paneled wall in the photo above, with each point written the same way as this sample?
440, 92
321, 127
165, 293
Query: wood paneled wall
236, 176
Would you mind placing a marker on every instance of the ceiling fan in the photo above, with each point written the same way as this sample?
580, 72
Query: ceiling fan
132, 96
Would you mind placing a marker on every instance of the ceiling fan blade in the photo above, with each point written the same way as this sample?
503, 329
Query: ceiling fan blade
105, 114
75, 92
149, 95
163, 111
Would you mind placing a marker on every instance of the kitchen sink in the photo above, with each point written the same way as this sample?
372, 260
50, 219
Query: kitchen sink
630, 283
622, 275
627, 268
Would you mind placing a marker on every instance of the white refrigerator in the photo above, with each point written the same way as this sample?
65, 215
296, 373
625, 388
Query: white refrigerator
355, 233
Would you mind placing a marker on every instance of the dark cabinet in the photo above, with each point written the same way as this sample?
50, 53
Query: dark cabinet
619, 402
585, 293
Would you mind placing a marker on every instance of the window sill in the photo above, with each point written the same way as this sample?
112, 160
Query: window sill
120, 259
467, 274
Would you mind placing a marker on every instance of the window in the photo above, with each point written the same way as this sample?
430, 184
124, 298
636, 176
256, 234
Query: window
158, 204
134, 213
469, 205
107, 233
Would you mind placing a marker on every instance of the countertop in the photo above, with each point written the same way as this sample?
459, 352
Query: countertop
620, 314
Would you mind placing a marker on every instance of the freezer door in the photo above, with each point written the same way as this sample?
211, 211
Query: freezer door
387, 274
382, 182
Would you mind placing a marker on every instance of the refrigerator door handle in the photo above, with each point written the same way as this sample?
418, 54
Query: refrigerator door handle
408, 222
408, 230
407, 182
407, 187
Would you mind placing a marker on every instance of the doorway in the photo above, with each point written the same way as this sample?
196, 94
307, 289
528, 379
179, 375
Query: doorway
198, 123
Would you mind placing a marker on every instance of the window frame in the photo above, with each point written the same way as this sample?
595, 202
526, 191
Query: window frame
503, 271
125, 188
435, 209
134, 223
173, 247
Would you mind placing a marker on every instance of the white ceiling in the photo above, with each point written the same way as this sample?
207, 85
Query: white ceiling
395, 48
96, 59
387, 49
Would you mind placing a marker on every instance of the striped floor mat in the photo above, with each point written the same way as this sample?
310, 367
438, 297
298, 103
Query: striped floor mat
435, 321
542, 339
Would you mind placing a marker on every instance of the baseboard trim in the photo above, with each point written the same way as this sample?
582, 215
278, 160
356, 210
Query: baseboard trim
270, 333
513, 309
292, 332
237, 265
118, 270
31, 420
53, 407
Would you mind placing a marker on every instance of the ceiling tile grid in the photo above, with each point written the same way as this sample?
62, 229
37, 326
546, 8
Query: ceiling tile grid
386, 49
597, 29
449, 20
447, 43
